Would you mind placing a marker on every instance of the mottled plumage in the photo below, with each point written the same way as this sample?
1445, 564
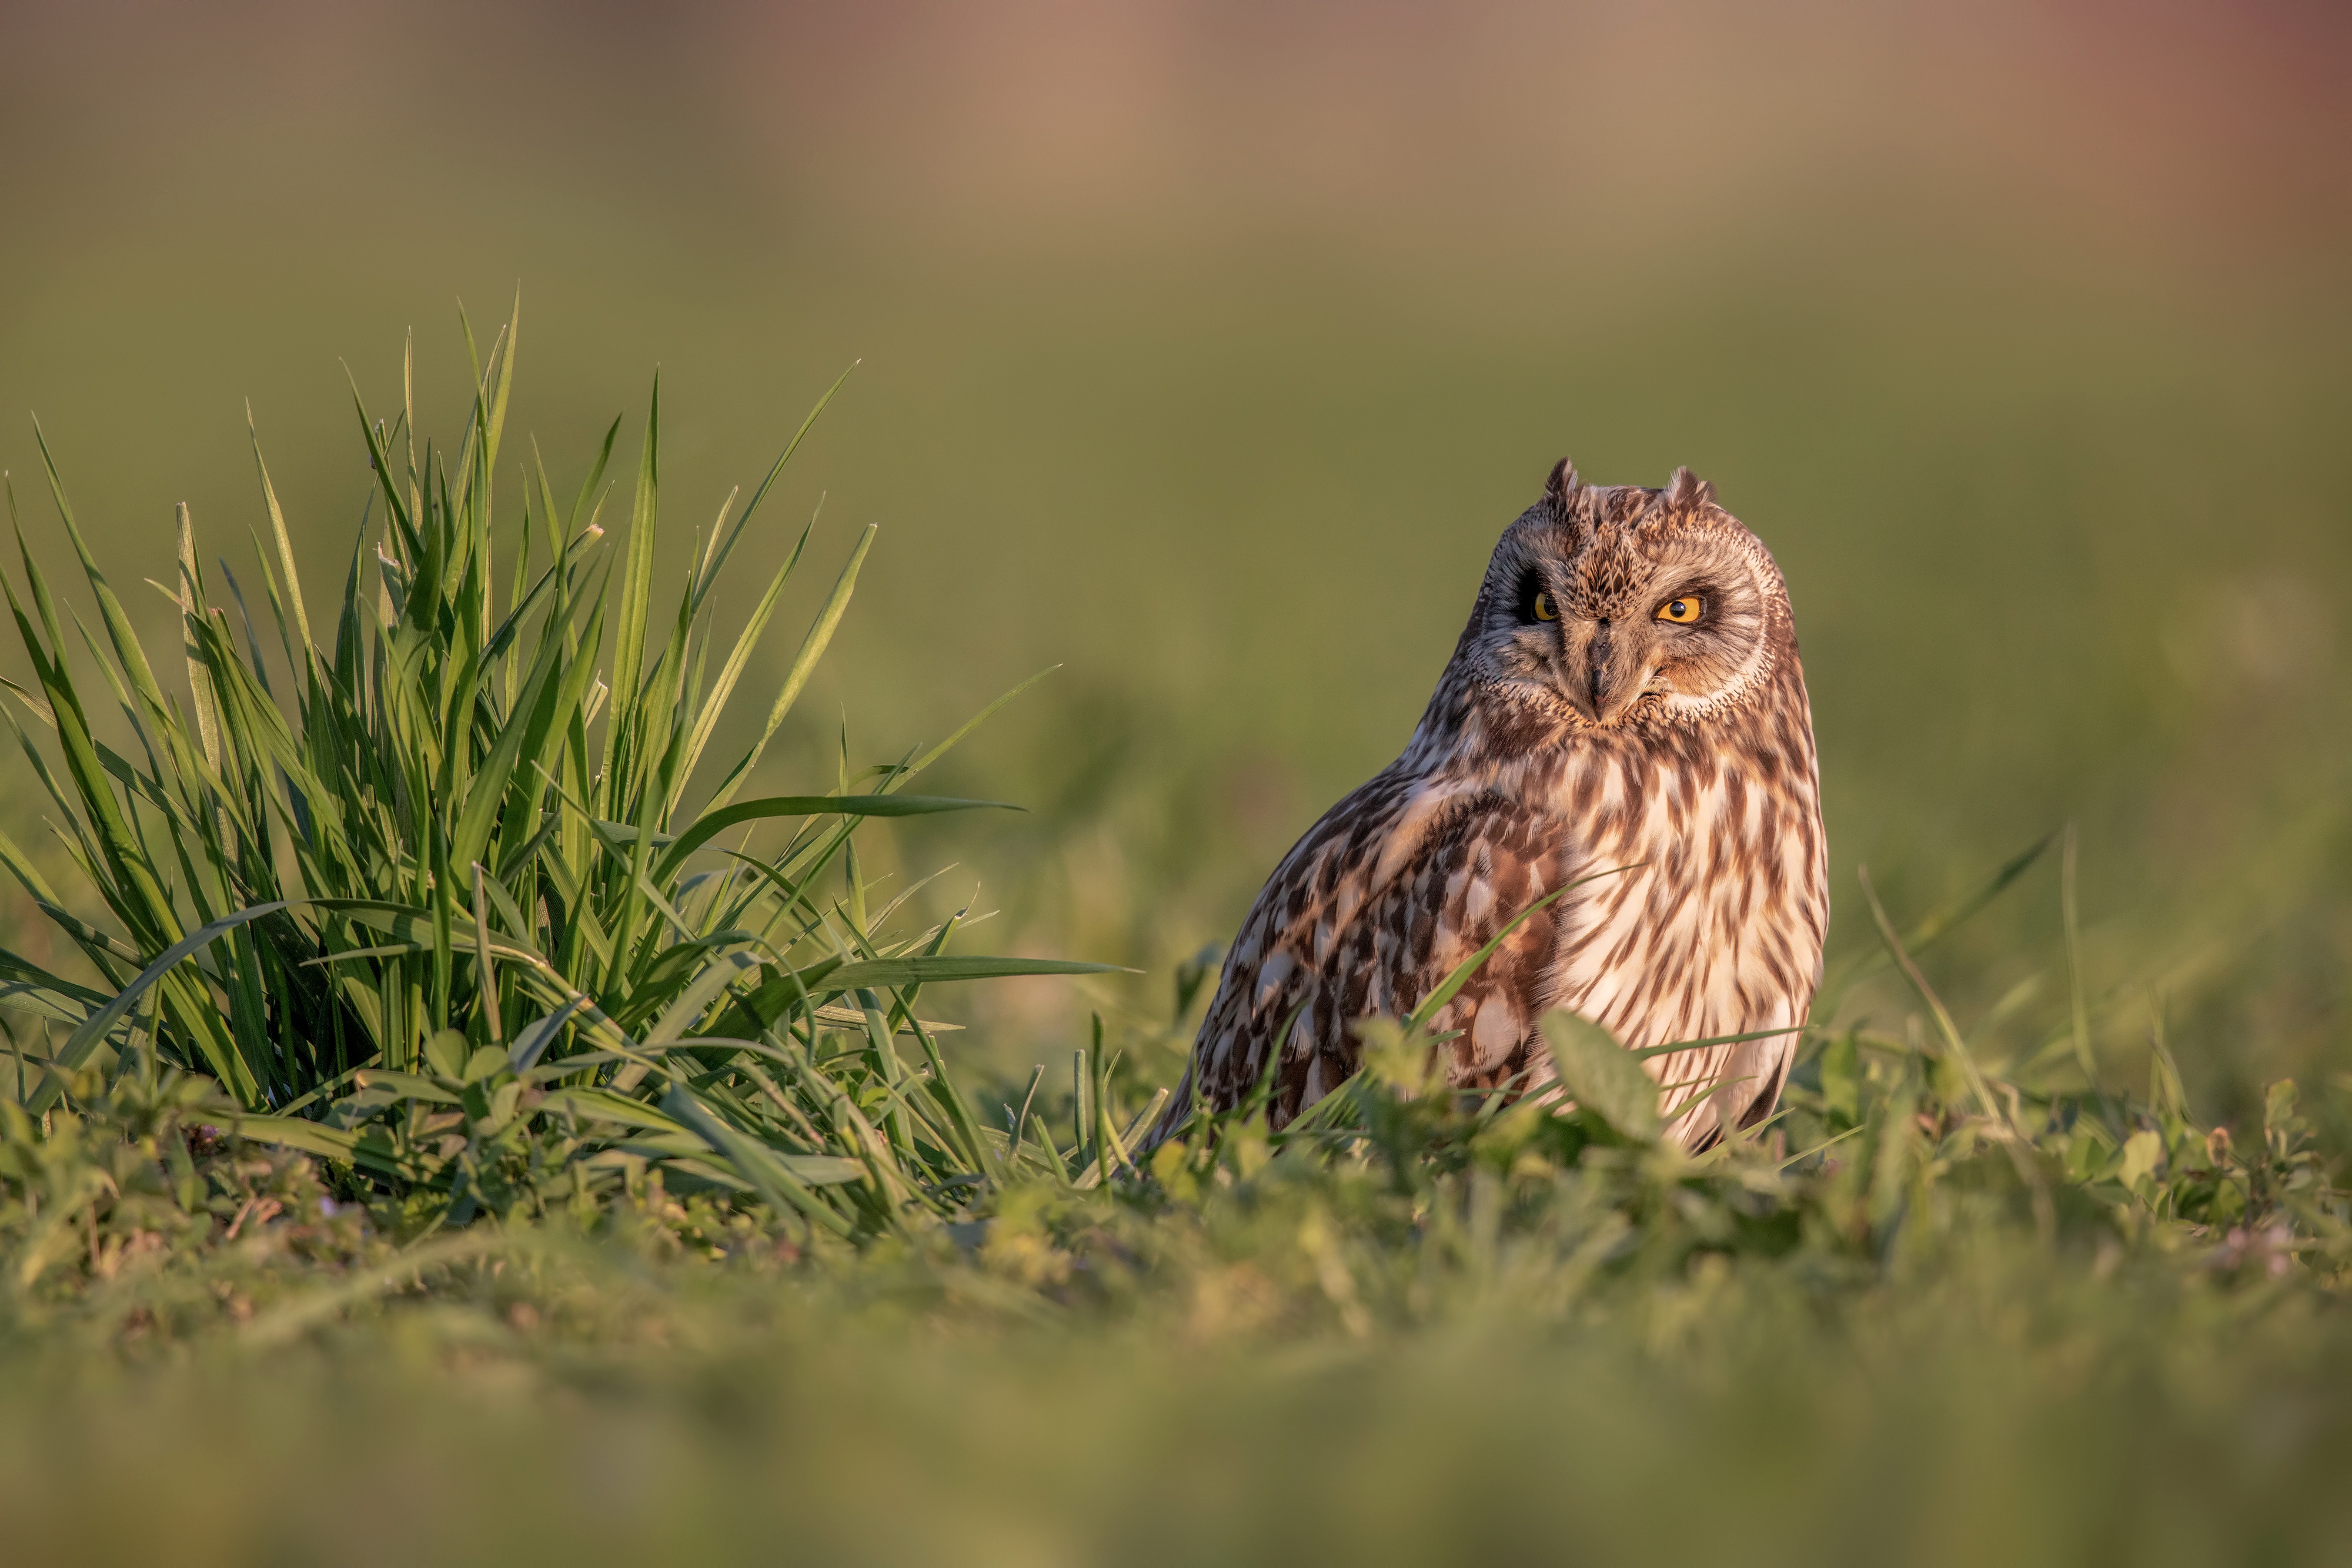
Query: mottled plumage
1573, 732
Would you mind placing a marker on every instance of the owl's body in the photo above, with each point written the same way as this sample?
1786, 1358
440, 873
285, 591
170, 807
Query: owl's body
1581, 732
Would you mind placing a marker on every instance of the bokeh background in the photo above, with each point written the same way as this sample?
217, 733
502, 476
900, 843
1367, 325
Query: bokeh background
1204, 347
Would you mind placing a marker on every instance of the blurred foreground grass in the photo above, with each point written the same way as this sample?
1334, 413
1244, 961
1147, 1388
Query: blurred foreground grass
2012, 1412
1440, 1335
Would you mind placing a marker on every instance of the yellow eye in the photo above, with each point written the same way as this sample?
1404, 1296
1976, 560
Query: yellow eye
1683, 609
1545, 609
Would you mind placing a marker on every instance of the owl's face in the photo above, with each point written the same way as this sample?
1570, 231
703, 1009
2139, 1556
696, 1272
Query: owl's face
1627, 605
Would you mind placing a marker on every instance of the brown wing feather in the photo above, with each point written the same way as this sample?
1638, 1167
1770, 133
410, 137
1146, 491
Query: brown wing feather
1381, 900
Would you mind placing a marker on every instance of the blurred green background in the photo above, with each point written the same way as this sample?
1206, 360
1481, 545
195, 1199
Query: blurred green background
1204, 348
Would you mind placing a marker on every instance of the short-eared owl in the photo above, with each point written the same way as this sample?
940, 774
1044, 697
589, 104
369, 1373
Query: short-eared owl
1626, 695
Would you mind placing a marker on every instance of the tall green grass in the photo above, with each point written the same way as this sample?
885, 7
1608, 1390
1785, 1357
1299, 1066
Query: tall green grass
440, 893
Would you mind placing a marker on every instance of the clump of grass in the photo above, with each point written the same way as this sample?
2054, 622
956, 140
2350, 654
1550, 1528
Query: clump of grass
444, 900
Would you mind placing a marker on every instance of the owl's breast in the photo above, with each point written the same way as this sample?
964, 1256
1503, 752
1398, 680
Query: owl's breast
1712, 920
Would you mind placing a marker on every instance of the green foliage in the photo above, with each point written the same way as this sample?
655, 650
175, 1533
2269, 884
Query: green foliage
427, 899
144, 1181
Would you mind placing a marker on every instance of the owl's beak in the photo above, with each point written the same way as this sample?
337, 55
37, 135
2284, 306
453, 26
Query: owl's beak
1603, 671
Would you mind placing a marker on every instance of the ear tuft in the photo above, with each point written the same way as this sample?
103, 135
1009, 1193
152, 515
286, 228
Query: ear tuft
1563, 484
1686, 490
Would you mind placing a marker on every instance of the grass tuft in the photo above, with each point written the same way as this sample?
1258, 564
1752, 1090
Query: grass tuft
437, 911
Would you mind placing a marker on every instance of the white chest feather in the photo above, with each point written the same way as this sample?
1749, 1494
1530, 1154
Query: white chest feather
1713, 928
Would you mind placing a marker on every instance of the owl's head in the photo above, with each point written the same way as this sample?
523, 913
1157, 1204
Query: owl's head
1628, 605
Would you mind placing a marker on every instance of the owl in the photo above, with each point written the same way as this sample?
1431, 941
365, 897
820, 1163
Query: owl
1624, 711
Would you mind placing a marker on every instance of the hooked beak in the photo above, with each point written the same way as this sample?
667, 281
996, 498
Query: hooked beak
1601, 674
